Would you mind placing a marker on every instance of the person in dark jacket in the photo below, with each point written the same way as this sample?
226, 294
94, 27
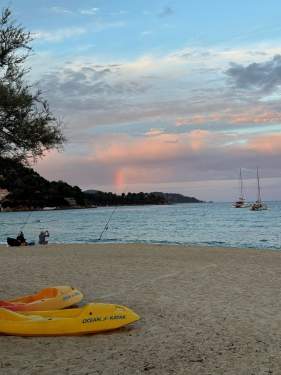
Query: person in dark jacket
21, 239
42, 237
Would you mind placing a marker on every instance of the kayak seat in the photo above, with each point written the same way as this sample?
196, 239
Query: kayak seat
43, 294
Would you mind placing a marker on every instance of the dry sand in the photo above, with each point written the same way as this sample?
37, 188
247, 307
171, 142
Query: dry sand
203, 310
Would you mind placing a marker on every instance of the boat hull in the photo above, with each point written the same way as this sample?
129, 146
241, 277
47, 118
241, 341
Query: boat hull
91, 318
259, 209
58, 297
241, 206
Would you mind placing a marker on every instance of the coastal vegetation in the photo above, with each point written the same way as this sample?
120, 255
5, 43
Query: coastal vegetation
100, 198
29, 191
27, 126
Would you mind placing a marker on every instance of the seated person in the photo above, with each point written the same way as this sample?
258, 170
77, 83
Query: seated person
21, 239
42, 237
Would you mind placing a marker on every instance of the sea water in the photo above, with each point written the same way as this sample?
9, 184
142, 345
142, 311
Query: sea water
212, 224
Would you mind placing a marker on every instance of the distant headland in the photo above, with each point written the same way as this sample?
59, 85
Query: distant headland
23, 189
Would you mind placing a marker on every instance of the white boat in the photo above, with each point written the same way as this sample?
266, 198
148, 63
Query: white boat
241, 202
258, 205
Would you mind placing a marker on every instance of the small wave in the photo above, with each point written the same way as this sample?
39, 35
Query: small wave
214, 243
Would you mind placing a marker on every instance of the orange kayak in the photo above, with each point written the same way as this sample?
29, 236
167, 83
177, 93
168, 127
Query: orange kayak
54, 298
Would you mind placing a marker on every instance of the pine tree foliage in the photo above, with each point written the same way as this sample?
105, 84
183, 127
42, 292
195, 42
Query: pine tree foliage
27, 126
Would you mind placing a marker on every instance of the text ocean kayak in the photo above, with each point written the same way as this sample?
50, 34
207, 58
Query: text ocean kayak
94, 317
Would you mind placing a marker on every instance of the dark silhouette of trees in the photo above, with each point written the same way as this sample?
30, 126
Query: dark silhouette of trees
28, 190
100, 198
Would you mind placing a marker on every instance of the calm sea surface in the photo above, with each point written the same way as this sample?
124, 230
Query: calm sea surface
214, 224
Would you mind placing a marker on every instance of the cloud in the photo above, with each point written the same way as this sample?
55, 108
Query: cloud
118, 160
101, 25
154, 132
89, 12
268, 144
166, 12
162, 147
64, 11
159, 92
146, 33
114, 158
89, 87
263, 76
153, 95
59, 35
61, 10
252, 116
148, 101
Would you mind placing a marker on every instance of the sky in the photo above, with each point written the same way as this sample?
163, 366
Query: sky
171, 96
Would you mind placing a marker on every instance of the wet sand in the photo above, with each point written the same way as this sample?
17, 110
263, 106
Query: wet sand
203, 311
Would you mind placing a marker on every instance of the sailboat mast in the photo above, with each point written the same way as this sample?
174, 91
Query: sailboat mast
259, 189
241, 184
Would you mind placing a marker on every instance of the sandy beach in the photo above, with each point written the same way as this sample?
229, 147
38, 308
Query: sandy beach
203, 310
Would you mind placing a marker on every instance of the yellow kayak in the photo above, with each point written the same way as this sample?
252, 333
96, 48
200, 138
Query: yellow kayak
94, 317
54, 298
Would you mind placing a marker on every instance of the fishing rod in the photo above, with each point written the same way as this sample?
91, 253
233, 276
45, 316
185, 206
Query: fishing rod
28, 217
107, 223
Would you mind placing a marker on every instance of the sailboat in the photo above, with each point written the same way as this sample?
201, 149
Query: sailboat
258, 205
241, 202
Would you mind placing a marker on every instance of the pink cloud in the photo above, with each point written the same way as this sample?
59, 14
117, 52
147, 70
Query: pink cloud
121, 160
266, 117
250, 117
157, 148
122, 163
153, 132
199, 119
267, 144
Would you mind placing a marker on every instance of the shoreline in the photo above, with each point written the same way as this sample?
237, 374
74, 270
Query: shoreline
104, 206
203, 310
152, 246
147, 244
